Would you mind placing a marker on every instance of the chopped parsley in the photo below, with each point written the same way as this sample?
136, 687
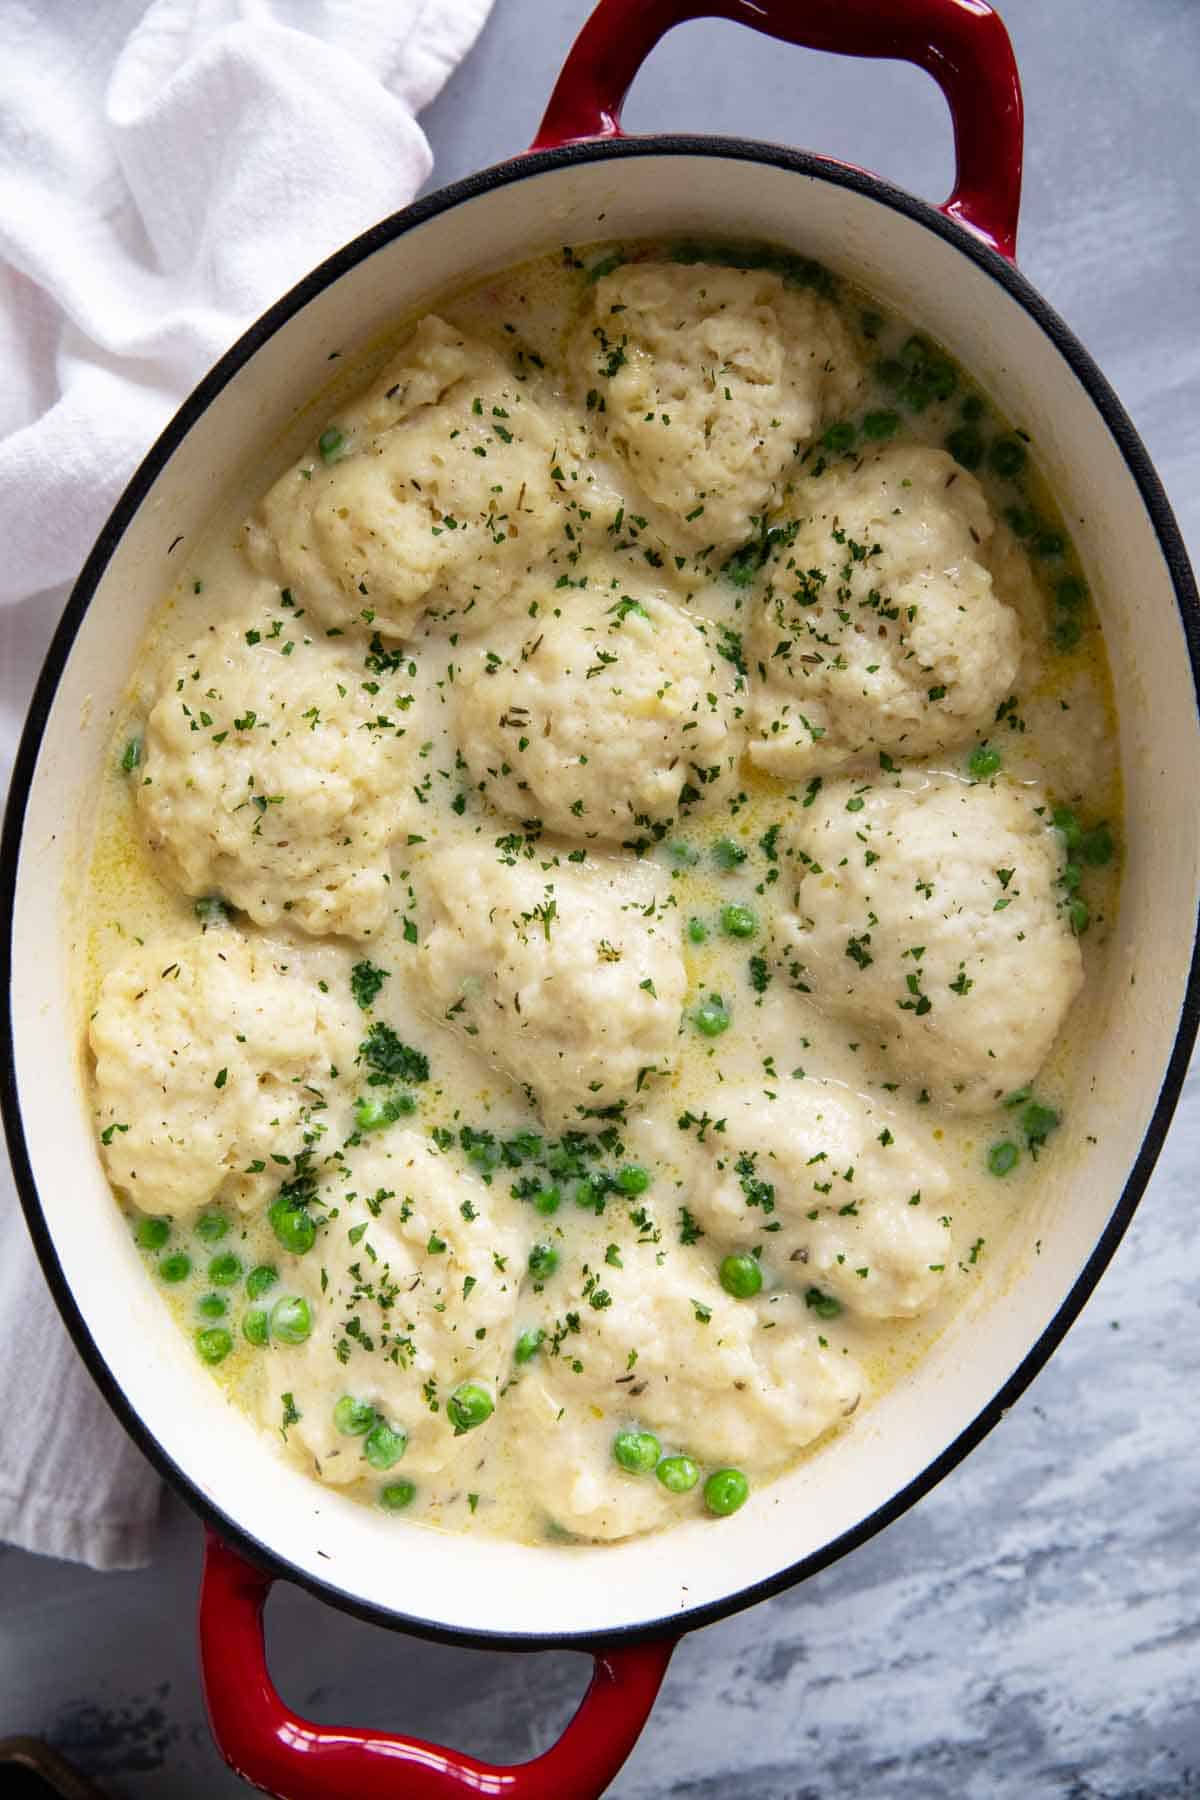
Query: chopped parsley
391, 1060
366, 979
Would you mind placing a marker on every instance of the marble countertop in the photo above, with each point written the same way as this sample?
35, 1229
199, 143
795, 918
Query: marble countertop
1032, 1628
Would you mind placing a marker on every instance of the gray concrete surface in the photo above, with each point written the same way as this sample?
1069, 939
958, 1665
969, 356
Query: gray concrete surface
1032, 1629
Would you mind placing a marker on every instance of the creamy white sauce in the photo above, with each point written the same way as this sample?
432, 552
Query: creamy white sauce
1059, 733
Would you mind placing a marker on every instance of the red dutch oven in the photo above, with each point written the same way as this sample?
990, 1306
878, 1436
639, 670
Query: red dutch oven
948, 268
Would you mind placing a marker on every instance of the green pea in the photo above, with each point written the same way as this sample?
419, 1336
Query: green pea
840, 436
636, 1451
1064, 820
211, 1306
741, 1275
224, 1270
211, 1227
1097, 846
942, 376
727, 855
916, 394
1066, 633
528, 1344
484, 1156
972, 408
256, 1327
1038, 1121
176, 1267
739, 921
633, 1179
1003, 1157
880, 425
1080, 916
966, 446
931, 376
543, 1260
826, 1306
260, 1279
397, 1495
371, 1113
1007, 457
983, 762
468, 1407
697, 931
589, 1193
291, 1319
331, 444
1071, 876
1049, 543
1021, 520
214, 1344
152, 1234
295, 1228
678, 1474
547, 1200
711, 1017
1070, 593
726, 1490
891, 372
383, 1447
353, 1418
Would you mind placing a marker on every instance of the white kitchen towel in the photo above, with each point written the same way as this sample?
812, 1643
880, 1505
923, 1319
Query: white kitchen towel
167, 170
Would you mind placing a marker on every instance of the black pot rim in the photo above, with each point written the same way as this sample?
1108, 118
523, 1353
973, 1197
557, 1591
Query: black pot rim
1146, 480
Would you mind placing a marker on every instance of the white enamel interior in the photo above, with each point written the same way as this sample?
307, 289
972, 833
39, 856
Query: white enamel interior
473, 1584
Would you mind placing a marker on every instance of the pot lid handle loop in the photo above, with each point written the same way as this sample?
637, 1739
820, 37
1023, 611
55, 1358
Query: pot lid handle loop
293, 1758
962, 43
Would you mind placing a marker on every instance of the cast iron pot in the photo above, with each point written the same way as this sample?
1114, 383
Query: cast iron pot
948, 268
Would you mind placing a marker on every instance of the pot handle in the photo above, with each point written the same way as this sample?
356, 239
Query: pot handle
962, 43
276, 1750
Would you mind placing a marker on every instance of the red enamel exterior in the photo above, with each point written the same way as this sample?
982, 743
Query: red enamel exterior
276, 1750
962, 43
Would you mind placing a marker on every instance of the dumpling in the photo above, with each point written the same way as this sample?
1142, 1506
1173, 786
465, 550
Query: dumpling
667, 1350
833, 1196
567, 977
271, 776
881, 627
437, 486
604, 717
210, 1056
708, 383
414, 1251
932, 911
